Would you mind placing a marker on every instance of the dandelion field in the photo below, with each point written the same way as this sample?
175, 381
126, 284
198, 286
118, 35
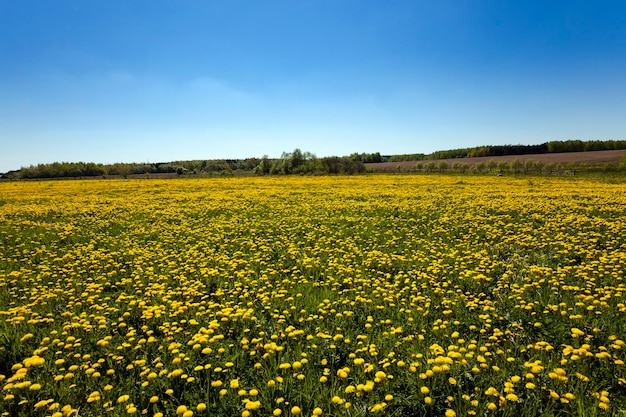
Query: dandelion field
335, 296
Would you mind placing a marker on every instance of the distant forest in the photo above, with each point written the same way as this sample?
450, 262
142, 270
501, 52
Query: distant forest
296, 162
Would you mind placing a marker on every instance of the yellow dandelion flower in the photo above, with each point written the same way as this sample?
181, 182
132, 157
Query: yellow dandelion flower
511, 397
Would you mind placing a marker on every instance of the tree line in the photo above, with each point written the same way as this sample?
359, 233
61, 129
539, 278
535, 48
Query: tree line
296, 162
516, 166
82, 169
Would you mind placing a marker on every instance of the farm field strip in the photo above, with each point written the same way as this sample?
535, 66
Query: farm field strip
567, 159
336, 296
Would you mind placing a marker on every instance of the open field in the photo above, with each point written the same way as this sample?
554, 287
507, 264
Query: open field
301, 296
595, 157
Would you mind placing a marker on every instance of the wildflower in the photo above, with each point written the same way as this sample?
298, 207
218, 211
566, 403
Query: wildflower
43, 403
253, 405
511, 397
34, 361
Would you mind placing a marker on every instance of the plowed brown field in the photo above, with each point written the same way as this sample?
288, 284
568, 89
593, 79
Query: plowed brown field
593, 157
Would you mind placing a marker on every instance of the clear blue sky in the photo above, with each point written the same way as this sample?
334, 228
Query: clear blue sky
137, 81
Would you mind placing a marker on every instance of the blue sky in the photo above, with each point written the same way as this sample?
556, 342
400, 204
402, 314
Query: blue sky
136, 81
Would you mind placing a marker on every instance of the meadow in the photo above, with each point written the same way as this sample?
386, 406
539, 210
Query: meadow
391, 295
